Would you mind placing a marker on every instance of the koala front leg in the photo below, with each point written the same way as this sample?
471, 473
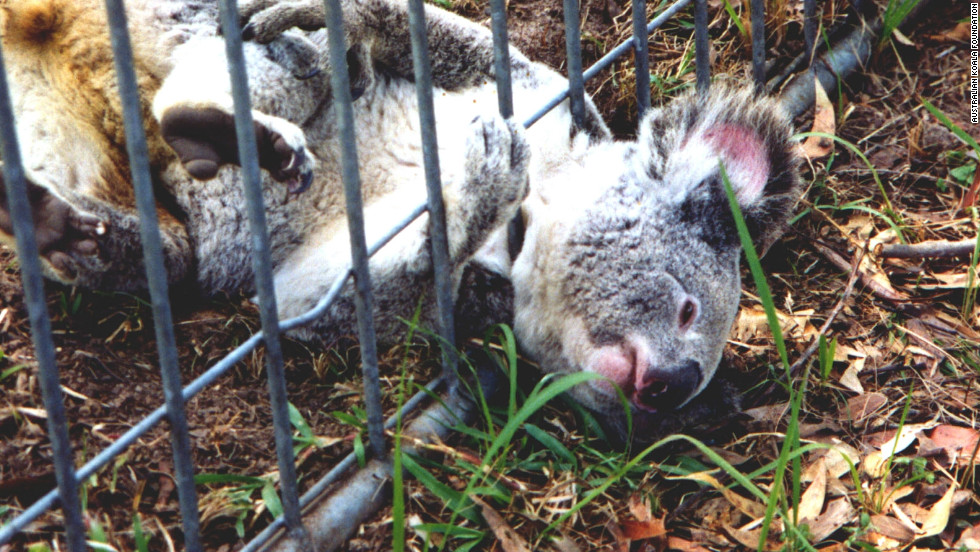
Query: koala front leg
494, 183
86, 242
460, 51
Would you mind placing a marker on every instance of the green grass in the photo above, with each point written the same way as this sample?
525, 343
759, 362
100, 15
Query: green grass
895, 12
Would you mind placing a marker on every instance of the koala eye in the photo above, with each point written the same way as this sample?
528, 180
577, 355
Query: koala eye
688, 312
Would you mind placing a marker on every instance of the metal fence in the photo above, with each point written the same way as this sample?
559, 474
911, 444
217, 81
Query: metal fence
68, 478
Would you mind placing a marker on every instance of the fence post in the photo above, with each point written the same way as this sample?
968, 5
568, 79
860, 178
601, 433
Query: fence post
156, 273
262, 267
438, 239
702, 55
641, 56
573, 52
758, 10
364, 298
37, 312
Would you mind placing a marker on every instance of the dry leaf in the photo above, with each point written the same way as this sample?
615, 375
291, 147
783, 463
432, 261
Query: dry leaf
642, 530
905, 437
959, 33
745, 505
836, 459
849, 378
640, 508
677, 543
509, 540
824, 121
969, 538
956, 441
939, 514
860, 407
838, 513
892, 528
811, 502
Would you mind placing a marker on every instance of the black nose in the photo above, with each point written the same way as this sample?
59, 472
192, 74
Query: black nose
665, 388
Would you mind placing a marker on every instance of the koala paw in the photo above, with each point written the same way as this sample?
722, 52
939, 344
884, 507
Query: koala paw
65, 235
497, 156
204, 140
264, 20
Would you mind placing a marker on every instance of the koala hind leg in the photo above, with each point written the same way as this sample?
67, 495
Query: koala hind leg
195, 109
204, 139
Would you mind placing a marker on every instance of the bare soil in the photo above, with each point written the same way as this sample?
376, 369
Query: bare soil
918, 340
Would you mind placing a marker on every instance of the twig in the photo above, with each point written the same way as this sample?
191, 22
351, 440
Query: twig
932, 248
885, 292
794, 370
848, 289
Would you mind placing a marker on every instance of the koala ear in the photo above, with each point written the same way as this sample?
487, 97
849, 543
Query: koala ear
751, 137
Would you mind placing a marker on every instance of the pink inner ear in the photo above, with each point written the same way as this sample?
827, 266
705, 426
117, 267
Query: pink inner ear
745, 159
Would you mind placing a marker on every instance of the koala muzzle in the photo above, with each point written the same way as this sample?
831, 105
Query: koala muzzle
665, 388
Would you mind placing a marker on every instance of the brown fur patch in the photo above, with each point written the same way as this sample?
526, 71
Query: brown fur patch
31, 21
66, 42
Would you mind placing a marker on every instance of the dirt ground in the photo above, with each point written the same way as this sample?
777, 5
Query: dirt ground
903, 327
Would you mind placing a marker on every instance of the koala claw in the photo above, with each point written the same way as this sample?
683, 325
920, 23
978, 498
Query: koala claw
501, 159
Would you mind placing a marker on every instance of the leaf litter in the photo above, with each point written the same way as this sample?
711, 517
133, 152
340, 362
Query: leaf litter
874, 479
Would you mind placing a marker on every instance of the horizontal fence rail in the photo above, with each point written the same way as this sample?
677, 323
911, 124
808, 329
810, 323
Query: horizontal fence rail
69, 479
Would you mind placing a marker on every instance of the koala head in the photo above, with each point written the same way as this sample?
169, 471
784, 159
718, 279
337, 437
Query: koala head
630, 267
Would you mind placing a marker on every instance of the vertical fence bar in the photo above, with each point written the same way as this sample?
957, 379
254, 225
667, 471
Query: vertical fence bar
37, 312
758, 10
641, 56
262, 266
573, 52
702, 55
433, 185
364, 299
505, 99
501, 57
156, 273
810, 36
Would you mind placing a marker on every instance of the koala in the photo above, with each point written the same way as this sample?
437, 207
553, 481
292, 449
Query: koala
629, 266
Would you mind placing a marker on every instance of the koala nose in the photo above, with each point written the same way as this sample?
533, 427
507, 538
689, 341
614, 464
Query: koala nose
665, 388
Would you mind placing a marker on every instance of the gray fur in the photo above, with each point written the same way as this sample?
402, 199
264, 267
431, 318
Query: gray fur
629, 257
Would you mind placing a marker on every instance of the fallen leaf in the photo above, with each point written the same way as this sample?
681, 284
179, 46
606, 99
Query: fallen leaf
969, 538
509, 540
621, 543
752, 323
640, 508
838, 513
564, 543
849, 378
939, 514
747, 506
824, 121
958, 442
905, 437
677, 543
840, 457
892, 528
959, 33
861, 406
811, 502
642, 530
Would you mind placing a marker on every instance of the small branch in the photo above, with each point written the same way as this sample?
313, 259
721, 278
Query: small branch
794, 370
935, 248
883, 291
